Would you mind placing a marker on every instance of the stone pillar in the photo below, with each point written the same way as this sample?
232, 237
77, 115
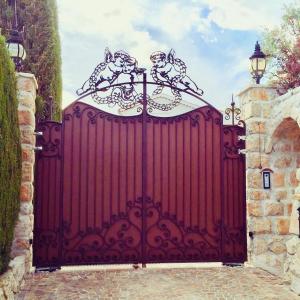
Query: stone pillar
256, 105
21, 253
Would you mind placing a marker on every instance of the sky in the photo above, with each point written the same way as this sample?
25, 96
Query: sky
215, 38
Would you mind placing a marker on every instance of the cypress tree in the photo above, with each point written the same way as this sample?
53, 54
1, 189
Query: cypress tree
10, 155
42, 44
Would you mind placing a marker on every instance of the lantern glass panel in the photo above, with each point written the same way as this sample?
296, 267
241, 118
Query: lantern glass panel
261, 64
13, 49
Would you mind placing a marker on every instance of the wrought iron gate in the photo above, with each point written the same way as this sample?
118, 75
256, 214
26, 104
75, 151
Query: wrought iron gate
143, 188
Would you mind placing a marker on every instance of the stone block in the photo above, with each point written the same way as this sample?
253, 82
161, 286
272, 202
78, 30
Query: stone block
294, 223
289, 208
283, 162
27, 172
261, 94
283, 226
257, 195
293, 179
27, 155
18, 268
266, 110
252, 109
26, 192
257, 160
295, 284
26, 208
8, 284
252, 143
261, 225
254, 209
23, 228
277, 247
280, 195
260, 246
26, 117
270, 262
254, 179
256, 127
27, 136
278, 179
26, 99
27, 83
274, 209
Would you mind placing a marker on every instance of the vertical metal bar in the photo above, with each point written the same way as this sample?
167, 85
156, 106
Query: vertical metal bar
144, 168
223, 197
299, 220
61, 192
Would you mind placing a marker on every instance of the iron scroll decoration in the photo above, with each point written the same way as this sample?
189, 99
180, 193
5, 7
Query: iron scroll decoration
167, 71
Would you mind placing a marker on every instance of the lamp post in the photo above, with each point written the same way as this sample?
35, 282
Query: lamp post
257, 64
15, 42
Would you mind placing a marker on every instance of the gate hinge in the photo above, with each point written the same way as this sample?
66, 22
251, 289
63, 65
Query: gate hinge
242, 151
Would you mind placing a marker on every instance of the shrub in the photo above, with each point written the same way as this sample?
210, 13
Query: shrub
10, 155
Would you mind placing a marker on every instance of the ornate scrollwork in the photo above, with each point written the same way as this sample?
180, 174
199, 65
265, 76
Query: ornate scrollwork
233, 113
50, 140
167, 239
167, 71
231, 143
120, 239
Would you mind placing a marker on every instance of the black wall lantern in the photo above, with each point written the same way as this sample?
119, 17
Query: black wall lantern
258, 64
15, 43
266, 176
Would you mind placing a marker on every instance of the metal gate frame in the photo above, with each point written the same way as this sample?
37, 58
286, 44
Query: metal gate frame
232, 161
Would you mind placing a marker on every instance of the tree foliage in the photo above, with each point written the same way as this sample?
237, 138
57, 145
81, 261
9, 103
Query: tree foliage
282, 44
42, 43
10, 155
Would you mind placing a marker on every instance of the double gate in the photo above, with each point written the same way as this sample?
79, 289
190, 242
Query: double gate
139, 189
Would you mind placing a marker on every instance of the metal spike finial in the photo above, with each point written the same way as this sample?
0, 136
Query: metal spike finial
232, 112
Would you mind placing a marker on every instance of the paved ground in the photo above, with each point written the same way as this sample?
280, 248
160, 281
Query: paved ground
151, 284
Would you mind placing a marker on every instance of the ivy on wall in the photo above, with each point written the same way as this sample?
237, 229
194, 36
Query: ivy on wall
42, 44
10, 155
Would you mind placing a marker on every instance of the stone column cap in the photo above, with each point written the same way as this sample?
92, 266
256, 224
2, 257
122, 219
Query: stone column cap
255, 86
30, 76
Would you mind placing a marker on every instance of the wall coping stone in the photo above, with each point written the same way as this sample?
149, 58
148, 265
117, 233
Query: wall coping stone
28, 75
255, 86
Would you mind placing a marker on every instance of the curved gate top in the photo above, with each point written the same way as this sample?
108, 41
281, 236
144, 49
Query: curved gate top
141, 188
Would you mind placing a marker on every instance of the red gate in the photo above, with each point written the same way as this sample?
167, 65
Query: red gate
115, 189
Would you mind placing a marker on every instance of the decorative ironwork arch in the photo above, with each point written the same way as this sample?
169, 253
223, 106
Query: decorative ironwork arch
167, 71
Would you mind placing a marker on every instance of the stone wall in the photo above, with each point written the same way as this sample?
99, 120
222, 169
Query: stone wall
11, 281
273, 141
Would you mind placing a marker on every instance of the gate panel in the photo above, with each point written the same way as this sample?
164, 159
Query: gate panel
184, 187
46, 243
235, 240
102, 187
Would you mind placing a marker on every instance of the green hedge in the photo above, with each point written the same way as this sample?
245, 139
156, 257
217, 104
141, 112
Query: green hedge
10, 155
